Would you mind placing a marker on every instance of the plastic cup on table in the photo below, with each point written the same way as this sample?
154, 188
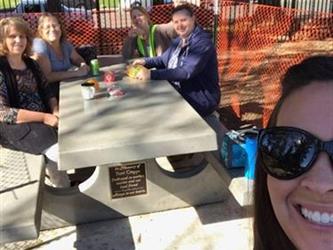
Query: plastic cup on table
88, 90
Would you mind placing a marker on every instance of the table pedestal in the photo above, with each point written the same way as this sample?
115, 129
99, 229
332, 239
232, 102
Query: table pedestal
131, 189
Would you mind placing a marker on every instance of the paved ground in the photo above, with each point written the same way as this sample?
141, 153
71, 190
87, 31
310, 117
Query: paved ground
224, 225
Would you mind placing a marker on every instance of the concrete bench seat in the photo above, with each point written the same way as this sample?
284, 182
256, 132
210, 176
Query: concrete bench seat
21, 178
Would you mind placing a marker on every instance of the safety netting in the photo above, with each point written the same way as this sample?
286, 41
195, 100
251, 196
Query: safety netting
255, 43
114, 25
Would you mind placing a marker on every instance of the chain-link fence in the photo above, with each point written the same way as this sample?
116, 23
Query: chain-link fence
106, 29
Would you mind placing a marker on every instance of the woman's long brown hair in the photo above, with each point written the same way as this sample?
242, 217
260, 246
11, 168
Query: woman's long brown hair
268, 234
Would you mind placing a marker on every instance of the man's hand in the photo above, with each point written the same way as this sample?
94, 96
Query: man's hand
143, 74
139, 62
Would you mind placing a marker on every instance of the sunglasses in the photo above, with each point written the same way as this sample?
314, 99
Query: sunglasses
288, 152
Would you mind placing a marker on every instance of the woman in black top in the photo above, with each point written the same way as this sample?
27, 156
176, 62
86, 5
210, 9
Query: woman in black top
28, 109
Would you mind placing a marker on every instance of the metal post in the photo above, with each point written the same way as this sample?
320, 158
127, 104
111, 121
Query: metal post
99, 25
216, 15
53, 6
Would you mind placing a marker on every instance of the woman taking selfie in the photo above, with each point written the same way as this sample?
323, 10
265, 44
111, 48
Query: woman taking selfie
294, 174
28, 109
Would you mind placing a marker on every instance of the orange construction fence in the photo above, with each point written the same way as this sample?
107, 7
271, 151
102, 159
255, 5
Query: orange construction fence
255, 44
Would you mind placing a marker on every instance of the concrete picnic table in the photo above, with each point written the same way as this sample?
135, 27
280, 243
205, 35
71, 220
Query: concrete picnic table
122, 137
151, 120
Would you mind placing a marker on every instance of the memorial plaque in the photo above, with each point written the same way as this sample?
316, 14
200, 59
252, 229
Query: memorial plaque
128, 180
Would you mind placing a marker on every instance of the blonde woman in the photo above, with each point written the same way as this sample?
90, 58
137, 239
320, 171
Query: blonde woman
54, 53
28, 108
144, 38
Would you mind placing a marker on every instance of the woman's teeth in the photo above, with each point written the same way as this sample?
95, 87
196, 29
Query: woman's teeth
317, 217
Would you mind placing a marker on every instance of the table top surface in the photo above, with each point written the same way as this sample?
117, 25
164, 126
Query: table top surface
151, 120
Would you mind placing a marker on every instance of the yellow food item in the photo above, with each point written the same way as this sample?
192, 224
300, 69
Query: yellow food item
133, 70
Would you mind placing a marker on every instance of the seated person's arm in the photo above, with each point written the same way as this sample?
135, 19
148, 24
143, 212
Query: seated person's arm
77, 60
193, 64
158, 62
47, 92
24, 115
163, 37
55, 76
40, 49
155, 62
129, 50
53, 103
167, 30
13, 115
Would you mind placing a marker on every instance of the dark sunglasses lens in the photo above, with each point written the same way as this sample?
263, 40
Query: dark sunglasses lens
286, 154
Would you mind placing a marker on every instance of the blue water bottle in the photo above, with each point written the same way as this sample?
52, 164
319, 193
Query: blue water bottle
251, 151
